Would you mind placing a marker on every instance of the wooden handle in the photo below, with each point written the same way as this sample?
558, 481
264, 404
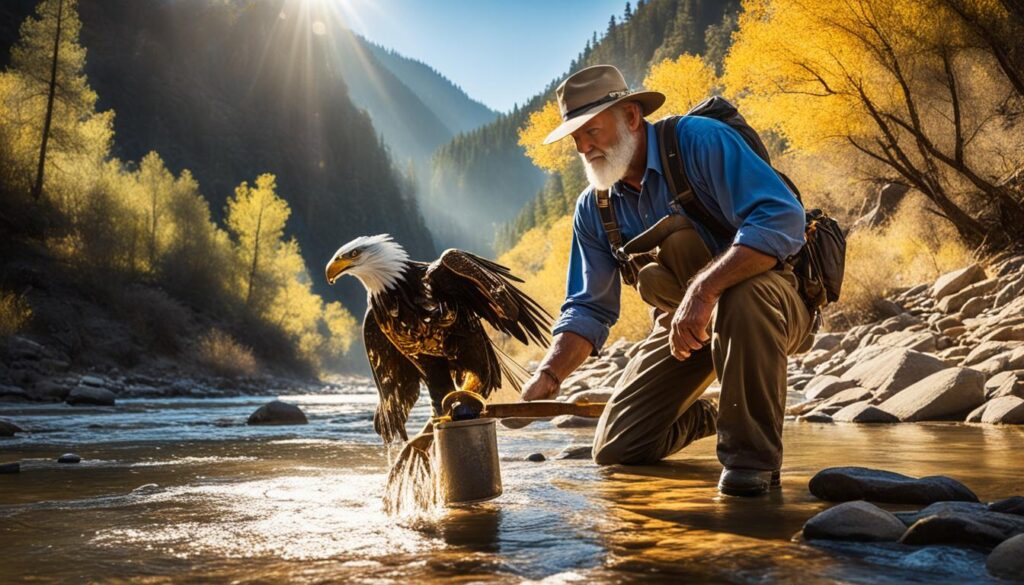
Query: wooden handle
542, 409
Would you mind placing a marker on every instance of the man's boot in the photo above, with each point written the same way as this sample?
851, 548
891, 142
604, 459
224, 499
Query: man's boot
748, 482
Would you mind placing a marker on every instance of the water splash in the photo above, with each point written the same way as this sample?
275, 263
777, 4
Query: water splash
412, 494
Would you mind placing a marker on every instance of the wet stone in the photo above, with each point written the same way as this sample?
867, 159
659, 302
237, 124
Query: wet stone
69, 458
536, 457
7, 468
858, 520
978, 528
842, 484
1006, 561
1011, 505
277, 413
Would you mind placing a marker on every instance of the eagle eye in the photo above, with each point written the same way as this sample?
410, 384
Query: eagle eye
354, 253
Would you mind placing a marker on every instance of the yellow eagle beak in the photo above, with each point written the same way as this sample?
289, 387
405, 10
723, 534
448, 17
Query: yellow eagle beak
335, 268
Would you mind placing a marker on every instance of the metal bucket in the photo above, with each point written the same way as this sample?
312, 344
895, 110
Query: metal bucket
467, 455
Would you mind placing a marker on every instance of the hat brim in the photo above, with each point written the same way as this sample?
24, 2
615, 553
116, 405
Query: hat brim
649, 102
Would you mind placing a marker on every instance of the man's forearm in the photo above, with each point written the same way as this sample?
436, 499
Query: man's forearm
568, 350
737, 264
690, 322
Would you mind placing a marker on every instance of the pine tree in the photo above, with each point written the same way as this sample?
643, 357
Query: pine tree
49, 57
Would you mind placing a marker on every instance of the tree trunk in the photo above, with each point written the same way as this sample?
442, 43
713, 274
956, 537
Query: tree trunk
255, 255
37, 189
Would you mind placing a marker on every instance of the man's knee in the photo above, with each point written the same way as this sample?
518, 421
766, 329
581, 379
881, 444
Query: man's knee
612, 454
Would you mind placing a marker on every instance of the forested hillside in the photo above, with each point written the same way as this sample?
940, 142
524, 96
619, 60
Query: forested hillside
197, 178
217, 88
485, 175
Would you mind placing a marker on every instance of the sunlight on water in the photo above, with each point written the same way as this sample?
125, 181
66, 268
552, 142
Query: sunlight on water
293, 518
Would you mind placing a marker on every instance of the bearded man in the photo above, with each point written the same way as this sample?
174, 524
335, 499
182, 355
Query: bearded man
740, 287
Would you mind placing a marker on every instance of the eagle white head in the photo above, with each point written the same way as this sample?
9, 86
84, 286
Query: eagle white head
377, 261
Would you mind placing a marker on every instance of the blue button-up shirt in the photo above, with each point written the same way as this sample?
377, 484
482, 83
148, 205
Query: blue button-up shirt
735, 185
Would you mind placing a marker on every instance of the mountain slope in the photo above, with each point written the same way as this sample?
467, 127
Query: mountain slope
456, 110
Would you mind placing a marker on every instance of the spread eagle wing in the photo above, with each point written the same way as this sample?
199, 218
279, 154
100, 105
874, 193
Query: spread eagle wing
487, 289
397, 379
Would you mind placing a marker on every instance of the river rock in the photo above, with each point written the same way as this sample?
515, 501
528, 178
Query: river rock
980, 528
842, 484
950, 392
571, 421
827, 341
7, 428
51, 390
953, 282
988, 349
90, 395
863, 412
575, 452
956, 301
815, 417
69, 458
593, 396
1010, 291
917, 340
976, 306
1011, 505
1007, 410
1006, 561
9, 468
857, 520
893, 370
277, 413
536, 457
826, 387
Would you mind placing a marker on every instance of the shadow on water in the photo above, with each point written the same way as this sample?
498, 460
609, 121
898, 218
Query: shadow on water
164, 494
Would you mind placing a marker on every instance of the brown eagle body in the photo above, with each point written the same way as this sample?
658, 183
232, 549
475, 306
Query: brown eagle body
425, 323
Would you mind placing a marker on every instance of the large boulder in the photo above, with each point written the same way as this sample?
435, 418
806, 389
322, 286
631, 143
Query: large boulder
863, 412
842, 484
857, 520
953, 282
1006, 561
942, 395
277, 413
893, 370
90, 395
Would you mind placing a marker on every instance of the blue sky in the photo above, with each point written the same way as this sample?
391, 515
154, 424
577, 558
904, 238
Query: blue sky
500, 53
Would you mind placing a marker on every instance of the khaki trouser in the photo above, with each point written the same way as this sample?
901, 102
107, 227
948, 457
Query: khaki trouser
655, 410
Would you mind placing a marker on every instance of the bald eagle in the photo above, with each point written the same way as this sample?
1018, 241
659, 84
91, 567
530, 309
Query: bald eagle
423, 323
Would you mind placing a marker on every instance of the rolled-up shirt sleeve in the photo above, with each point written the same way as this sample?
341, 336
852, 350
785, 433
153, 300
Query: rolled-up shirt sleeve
749, 193
592, 286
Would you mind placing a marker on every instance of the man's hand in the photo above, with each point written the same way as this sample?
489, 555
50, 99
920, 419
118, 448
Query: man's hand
540, 387
690, 322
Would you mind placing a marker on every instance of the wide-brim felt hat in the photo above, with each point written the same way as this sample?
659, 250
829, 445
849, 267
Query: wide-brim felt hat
590, 91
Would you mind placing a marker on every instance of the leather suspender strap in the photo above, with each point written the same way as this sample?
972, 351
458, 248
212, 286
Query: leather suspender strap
608, 220
679, 184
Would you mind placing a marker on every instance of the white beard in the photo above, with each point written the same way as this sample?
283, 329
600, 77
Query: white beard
603, 172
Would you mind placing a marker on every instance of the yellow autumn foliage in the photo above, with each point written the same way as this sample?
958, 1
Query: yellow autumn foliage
554, 158
685, 81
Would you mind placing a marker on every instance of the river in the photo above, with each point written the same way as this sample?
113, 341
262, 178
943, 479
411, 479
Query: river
181, 490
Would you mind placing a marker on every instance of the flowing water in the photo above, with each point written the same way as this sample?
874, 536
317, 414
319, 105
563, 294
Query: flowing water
182, 490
